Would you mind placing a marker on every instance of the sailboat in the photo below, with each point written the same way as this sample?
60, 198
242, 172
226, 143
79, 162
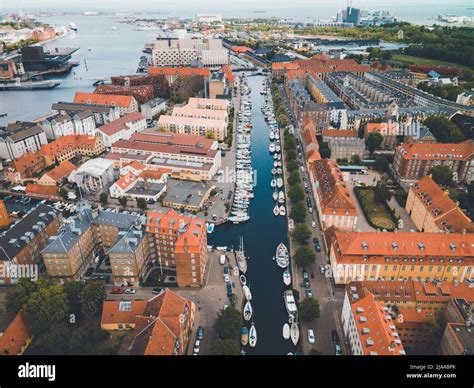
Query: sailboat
286, 277
273, 183
244, 337
243, 280
240, 257
247, 293
276, 210
286, 331
295, 333
248, 311
253, 336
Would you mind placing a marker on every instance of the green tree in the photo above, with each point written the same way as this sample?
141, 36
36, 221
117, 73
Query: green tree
91, 299
444, 130
63, 193
46, 306
442, 175
301, 233
18, 296
298, 212
356, 159
381, 193
227, 347
292, 166
73, 292
304, 256
381, 164
309, 309
290, 155
141, 203
104, 198
373, 142
296, 193
123, 201
228, 323
294, 178
54, 339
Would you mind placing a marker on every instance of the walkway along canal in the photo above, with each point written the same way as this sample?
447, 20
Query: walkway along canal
262, 233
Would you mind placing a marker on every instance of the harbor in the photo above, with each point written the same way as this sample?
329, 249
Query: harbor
261, 233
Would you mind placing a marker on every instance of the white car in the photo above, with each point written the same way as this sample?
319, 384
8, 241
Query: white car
311, 337
226, 278
313, 224
130, 291
197, 347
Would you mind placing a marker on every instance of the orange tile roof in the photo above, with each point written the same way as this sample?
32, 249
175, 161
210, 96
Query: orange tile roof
284, 65
309, 137
378, 245
126, 180
377, 332
333, 192
136, 165
155, 174
241, 49
445, 212
60, 171
111, 313
15, 336
68, 142
103, 99
121, 123
180, 71
436, 151
313, 155
26, 161
417, 316
339, 133
42, 190
383, 128
228, 73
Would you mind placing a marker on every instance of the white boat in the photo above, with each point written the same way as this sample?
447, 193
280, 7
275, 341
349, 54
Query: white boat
240, 257
244, 337
274, 171
210, 228
282, 257
290, 303
272, 135
281, 197
271, 148
282, 210
247, 293
238, 219
286, 331
243, 280
279, 183
275, 195
72, 26
287, 277
294, 333
273, 183
276, 210
253, 336
248, 311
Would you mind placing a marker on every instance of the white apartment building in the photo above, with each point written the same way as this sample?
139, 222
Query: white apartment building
121, 129
16, 142
182, 52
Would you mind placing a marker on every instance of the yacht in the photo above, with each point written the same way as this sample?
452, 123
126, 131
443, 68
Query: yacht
247, 293
282, 256
244, 337
290, 303
241, 259
281, 197
273, 183
271, 148
275, 196
253, 336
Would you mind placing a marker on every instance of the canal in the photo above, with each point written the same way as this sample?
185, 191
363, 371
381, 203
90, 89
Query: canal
262, 233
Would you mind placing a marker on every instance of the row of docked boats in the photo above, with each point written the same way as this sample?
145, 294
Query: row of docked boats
244, 177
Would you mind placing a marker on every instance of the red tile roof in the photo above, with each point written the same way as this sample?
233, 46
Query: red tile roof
437, 151
42, 190
103, 99
61, 171
180, 71
121, 123
339, 133
15, 336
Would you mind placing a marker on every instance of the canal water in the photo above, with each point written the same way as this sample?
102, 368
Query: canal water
262, 233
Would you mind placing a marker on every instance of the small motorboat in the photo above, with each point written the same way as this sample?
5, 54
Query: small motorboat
290, 302
210, 228
274, 171
287, 277
243, 280
286, 331
282, 210
248, 311
273, 183
275, 195
244, 336
253, 336
295, 333
276, 210
247, 293
282, 255
279, 183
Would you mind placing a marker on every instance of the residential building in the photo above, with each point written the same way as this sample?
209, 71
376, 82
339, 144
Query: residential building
68, 147
122, 128
146, 184
193, 122
433, 211
4, 216
368, 326
27, 166
179, 242
125, 104
153, 108
335, 203
58, 125
22, 243
159, 82
346, 148
19, 138
188, 196
43, 192
413, 161
16, 338
55, 176
101, 114
141, 93
399, 256
389, 132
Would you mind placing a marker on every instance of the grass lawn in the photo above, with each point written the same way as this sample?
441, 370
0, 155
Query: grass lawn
424, 61
376, 213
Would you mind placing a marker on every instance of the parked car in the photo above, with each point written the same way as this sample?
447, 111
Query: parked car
309, 293
197, 348
130, 291
226, 278
305, 275
322, 269
156, 291
338, 350
226, 270
335, 337
200, 333
117, 290
229, 289
313, 224
311, 337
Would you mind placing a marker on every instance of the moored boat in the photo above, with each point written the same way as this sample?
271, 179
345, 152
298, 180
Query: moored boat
248, 311
275, 195
294, 333
240, 257
247, 293
244, 336
286, 331
282, 210
253, 336
276, 210
243, 280
287, 277
290, 303
282, 257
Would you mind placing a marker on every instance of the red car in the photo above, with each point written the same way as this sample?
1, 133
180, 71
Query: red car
117, 290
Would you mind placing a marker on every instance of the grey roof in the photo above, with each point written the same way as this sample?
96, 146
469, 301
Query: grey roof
119, 220
66, 240
186, 193
127, 241
14, 239
150, 189
76, 108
